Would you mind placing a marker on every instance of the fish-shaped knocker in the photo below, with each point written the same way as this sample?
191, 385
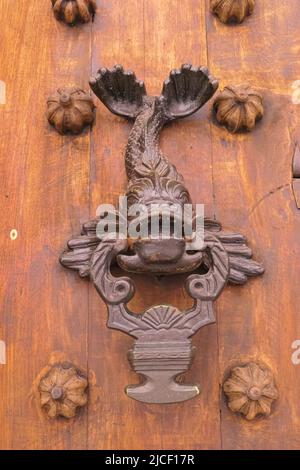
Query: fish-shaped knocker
162, 349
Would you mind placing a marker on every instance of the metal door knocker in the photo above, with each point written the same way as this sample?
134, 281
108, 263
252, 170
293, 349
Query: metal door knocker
162, 349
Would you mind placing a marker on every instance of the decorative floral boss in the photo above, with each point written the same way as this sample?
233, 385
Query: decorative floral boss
251, 390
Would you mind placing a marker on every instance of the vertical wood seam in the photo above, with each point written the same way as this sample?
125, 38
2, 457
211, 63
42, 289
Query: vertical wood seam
89, 214
207, 12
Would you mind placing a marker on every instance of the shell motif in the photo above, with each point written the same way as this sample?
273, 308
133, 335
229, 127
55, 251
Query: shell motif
70, 110
239, 107
74, 11
232, 11
62, 391
250, 390
162, 317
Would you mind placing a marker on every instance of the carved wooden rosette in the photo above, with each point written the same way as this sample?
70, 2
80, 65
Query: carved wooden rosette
232, 11
70, 110
239, 107
162, 348
62, 390
74, 11
251, 390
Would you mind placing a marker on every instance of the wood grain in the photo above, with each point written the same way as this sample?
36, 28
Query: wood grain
260, 321
44, 195
52, 184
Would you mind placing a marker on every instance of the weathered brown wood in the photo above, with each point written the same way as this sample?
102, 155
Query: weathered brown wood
252, 181
44, 196
50, 186
118, 415
113, 419
159, 28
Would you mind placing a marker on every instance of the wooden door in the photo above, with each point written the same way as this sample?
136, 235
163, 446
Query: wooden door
51, 184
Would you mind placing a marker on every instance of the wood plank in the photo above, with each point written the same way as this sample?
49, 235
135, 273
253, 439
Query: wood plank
175, 36
117, 38
44, 196
147, 37
50, 186
252, 185
263, 49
